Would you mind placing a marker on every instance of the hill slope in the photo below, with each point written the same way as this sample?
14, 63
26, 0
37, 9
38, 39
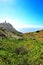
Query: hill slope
7, 30
26, 51
38, 35
8, 27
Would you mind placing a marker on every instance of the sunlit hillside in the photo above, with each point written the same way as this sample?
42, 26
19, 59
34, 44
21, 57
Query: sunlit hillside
25, 49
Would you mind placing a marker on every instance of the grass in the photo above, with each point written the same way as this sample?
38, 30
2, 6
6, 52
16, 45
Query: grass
27, 51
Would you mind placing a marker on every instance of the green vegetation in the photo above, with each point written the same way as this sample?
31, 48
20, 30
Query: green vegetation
24, 49
21, 52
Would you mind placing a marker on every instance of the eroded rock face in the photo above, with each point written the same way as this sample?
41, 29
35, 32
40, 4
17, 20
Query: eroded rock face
7, 30
9, 27
2, 35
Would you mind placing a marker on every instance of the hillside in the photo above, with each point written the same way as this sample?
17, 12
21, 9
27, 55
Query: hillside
26, 50
7, 30
37, 35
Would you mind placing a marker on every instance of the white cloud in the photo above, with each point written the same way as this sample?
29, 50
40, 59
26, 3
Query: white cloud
30, 26
17, 23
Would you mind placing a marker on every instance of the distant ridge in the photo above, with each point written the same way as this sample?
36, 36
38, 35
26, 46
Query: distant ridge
9, 27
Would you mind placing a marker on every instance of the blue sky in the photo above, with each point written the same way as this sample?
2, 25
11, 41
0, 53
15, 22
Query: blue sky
22, 13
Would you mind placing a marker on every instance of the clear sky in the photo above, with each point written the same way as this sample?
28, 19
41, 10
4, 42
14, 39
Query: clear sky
22, 13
